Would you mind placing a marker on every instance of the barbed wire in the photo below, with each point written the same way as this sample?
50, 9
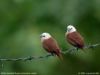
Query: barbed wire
47, 55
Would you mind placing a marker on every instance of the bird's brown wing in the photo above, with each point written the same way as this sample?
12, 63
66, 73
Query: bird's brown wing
75, 39
51, 45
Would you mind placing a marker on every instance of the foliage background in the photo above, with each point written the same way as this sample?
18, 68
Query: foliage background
22, 22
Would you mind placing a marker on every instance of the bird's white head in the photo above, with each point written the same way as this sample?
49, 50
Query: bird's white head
45, 36
70, 29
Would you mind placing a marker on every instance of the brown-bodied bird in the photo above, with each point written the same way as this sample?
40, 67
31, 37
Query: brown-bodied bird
50, 44
74, 37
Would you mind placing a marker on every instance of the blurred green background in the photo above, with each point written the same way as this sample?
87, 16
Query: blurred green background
22, 22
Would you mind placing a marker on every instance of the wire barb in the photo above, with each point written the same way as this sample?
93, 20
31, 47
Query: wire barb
47, 55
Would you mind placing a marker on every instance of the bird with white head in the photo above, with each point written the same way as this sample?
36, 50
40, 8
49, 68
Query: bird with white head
74, 37
50, 44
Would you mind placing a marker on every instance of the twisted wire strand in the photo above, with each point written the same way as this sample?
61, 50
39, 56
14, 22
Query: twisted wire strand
47, 55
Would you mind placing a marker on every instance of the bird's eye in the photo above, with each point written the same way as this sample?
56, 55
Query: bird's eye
70, 29
43, 36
